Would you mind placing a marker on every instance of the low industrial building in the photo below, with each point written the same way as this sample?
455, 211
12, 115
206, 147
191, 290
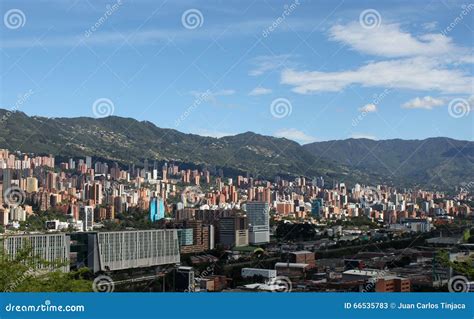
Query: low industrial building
265, 273
51, 248
119, 250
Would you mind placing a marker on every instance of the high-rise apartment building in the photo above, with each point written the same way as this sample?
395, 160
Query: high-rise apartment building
86, 214
233, 231
157, 209
316, 207
89, 161
31, 184
258, 214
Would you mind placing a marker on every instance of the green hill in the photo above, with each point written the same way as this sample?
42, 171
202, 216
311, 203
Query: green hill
440, 162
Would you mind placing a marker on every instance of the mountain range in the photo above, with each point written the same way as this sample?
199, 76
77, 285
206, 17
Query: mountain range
438, 162
434, 162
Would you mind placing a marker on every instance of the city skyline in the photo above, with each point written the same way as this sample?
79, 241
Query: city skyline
152, 223
159, 156
305, 71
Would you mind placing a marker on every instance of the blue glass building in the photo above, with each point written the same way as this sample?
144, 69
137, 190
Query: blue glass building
316, 206
157, 209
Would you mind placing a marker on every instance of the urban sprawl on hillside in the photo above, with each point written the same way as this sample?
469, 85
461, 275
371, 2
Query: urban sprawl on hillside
164, 226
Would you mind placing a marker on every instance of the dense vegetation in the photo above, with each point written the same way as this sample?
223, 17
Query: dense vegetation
435, 162
464, 268
438, 162
27, 273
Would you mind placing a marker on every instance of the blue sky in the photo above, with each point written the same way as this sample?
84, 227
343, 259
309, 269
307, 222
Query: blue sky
305, 70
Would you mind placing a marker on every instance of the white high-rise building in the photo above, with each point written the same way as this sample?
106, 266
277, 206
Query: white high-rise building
17, 214
89, 161
86, 214
258, 215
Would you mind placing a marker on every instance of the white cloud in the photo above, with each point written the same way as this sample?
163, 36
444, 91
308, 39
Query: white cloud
213, 93
430, 26
388, 40
223, 92
368, 108
426, 103
427, 62
419, 73
362, 135
296, 135
260, 91
265, 63
144, 36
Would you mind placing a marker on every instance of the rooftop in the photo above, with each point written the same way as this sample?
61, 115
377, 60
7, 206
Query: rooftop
291, 265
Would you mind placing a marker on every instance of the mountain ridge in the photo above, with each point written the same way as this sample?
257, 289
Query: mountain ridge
438, 160
127, 140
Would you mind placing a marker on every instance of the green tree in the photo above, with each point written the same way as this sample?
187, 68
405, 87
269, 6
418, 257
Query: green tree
28, 273
464, 267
